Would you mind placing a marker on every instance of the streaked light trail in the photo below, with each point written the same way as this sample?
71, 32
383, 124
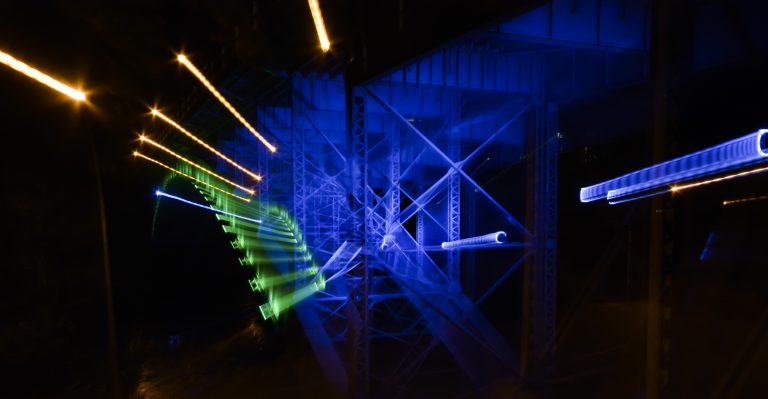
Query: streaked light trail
138, 154
719, 179
210, 208
146, 139
722, 158
742, 200
33, 73
171, 122
199, 75
317, 16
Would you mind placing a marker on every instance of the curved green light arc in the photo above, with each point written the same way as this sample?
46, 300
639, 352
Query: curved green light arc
275, 244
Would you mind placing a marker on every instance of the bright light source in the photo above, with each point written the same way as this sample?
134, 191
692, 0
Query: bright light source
719, 179
317, 16
145, 139
138, 154
171, 122
33, 73
199, 75
162, 194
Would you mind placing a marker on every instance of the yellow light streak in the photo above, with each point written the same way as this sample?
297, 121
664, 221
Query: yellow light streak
741, 200
719, 179
138, 154
146, 139
171, 122
33, 73
317, 16
199, 75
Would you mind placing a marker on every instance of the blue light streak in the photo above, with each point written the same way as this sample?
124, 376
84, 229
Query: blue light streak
492, 238
746, 150
210, 208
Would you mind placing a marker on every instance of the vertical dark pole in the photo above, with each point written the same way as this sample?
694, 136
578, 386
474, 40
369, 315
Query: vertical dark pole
110, 308
671, 52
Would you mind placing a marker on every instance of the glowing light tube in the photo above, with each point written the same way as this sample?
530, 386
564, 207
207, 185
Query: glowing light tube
199, 75
145, 139
317, 16
178, 127
736, 153
208, 207
156, 162
33, 73
492, 238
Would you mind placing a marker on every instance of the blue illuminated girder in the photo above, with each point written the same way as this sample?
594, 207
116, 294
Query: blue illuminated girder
456, 167
359, 324
478, 348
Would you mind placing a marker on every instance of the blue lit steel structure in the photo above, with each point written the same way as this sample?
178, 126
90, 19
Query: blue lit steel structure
411, 159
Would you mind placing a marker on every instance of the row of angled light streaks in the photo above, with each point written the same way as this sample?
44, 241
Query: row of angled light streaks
202, 143
188, 176
178, 127
145, 139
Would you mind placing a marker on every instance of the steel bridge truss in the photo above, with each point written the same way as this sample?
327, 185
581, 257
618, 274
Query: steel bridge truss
462, 142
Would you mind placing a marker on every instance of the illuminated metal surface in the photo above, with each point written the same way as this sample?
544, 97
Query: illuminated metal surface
208, 207
317, 16
199, 75
146, 139
33, 73
733, 154
178, 127
492, 238
138, 154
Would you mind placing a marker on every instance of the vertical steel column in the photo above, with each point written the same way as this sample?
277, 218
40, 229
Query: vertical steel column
454, 198
361, 207
539, 301
548, 219
299, 168
393, 219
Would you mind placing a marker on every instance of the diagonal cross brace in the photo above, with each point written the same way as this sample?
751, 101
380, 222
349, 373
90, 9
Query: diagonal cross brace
511, 219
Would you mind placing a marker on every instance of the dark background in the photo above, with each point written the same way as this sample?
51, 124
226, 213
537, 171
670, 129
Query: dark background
54, 335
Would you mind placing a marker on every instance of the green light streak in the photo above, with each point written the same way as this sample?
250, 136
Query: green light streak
275, 244
261, 283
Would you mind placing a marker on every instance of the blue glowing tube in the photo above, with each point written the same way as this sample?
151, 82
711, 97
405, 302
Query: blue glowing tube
210, 208
742, 151
492, 238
